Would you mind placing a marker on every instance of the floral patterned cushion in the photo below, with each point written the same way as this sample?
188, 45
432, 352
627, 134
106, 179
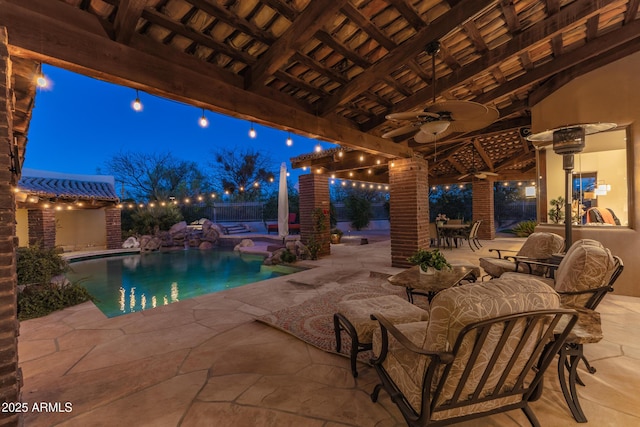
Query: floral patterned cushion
537, 246
394, 308
587, 265
451, 310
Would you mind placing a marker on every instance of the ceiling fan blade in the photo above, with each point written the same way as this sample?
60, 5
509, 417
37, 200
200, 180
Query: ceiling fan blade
413, 127
489, 173
463, 176
410, 115
423, 137
475, 124
458, 110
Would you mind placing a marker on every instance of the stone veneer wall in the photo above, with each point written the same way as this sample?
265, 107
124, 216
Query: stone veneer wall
113, 221
409, 209
483, 208
314, 193
42, 227
10, 377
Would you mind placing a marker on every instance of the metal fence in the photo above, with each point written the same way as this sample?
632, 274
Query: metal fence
225, 212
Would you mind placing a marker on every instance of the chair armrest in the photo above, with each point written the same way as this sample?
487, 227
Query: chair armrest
531, 262
387, 327
501, 250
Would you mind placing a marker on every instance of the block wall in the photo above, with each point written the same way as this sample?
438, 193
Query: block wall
42, 227
113, 222
409, 209
10, 378
314, 194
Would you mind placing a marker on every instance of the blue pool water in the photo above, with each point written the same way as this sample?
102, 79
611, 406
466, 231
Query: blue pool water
130, 283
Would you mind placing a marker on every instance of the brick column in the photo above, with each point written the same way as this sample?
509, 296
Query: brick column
10, 377
409, 209
483, 208
42, 227
314, 194
112, 219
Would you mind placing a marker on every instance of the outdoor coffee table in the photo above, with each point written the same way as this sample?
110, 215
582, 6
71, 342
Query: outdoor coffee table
417, 283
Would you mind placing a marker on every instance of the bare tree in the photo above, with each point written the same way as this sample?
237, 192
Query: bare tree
242, 173
157, 176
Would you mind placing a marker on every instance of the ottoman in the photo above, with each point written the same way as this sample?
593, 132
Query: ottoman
354, 317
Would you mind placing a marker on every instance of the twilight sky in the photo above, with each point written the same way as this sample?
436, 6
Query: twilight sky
80, 122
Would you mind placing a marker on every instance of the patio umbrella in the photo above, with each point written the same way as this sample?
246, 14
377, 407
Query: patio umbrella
283, 203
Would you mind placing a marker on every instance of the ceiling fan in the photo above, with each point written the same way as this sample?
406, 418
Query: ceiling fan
475, 172
442, 118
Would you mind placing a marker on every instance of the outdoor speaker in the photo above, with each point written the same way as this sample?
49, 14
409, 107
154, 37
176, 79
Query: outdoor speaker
568, 140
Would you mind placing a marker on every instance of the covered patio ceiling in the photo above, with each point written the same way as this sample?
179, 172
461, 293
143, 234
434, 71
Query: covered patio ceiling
333, 69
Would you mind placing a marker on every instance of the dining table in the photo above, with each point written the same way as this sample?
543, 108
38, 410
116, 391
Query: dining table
449, 233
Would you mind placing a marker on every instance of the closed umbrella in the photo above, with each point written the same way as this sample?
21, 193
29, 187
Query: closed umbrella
283, 203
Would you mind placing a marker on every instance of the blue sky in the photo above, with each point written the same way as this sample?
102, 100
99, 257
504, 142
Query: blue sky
79, 123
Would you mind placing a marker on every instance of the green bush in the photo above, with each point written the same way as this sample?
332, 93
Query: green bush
40, 300
358, 211
524, 228
148, 220
35, 265
288, 256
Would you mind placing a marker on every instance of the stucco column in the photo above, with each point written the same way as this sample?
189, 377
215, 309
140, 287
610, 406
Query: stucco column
113, 223
483, 208
409, 209
42, 227
314, 194
10, 377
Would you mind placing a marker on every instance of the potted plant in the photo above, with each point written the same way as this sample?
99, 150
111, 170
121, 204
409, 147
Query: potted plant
336, 235
429, 261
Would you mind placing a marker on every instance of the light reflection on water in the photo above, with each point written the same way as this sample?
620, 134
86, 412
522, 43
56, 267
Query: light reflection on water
126, 284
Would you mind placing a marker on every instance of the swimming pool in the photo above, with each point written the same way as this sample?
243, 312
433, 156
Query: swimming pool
130, 283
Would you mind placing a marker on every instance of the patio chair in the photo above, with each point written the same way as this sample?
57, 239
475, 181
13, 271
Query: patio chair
585, 275
538, 247
483, 350
471, 235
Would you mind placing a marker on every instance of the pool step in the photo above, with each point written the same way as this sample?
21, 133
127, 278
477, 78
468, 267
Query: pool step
236, 229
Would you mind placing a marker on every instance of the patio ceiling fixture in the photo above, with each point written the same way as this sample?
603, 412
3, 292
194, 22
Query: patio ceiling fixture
136, 104
442, 118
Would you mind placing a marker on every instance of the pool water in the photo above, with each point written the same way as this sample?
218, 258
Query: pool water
130, 283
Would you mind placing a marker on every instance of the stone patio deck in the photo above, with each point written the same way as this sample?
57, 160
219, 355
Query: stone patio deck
206, 361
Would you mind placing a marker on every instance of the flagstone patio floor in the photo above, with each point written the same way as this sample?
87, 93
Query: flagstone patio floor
206, 362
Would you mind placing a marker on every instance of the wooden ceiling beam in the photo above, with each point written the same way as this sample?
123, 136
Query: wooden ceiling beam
341, 49
305, 26
367, 26
584, 54
283, 9
127, 17
88, 53
362, 177
483, 154
409, 14
510, 16
567, 17
564, 77
475, 36
233, 20
632, 11
437, 29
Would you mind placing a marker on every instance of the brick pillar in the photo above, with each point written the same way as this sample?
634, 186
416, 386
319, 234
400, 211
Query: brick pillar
42, 227
314, 194
483, 208
112, 219
409, 209
10, 377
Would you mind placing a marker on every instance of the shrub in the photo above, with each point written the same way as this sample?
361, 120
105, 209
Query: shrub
358, 211
35, 265
288, 256
40, 300
148, 220
524, 228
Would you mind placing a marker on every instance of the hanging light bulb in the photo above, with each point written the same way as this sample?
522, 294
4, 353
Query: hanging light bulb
203, 121
136, 104
252, 132
289, 140
318, 148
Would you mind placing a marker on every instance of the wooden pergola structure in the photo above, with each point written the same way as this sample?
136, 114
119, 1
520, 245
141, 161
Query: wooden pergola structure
326, 69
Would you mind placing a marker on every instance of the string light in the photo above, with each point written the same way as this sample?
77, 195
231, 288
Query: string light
340, 153
252, 132
203, 121
318, 148
136, 104
41, 80
289, 140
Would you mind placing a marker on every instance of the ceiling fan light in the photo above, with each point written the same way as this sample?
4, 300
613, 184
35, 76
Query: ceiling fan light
435, 127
